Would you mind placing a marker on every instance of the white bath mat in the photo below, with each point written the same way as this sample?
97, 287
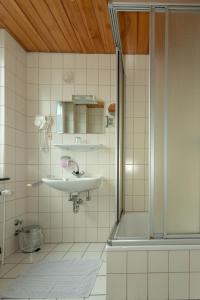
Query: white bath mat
72, 278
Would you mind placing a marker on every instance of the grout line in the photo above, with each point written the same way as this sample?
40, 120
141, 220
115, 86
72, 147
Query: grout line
87, 247
7, 272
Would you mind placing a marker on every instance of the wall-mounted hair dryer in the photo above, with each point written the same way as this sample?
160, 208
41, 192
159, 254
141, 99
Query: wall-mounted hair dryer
44, 124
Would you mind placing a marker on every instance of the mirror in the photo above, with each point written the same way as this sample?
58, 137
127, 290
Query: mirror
84, 114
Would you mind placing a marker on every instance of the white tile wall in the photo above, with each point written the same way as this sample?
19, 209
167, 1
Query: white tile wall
158, 274
42, 79
116, 286
158, 286
194, 286
195, 261
178, 261
158, 261
13, 132
136, 133
46, 84
120, 266
136, 286
137, 262
179, 286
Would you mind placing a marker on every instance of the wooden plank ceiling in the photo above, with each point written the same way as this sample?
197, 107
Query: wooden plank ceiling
77, 26
134, 31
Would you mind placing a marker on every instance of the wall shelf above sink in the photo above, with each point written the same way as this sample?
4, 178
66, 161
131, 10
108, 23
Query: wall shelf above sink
79, 147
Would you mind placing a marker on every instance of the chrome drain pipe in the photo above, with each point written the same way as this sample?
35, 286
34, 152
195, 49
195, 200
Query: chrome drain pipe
76, 202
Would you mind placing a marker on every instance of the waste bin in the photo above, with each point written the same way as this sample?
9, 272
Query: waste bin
30, 238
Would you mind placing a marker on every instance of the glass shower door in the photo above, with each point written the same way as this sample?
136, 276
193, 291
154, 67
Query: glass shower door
182, 116
176, 123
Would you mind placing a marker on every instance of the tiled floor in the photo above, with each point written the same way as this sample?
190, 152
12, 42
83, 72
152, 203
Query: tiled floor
18, 262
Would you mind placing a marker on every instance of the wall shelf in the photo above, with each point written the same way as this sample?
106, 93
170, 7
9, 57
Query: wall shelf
79, 147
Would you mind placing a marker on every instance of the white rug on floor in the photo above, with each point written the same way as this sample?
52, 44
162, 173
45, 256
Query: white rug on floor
71, 278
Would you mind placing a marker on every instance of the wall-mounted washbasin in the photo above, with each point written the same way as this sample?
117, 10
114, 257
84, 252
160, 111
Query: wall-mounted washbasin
73, 184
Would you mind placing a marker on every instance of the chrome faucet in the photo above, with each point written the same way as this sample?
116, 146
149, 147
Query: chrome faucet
76, 171
67, 161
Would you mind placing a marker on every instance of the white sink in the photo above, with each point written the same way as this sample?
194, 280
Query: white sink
73, 184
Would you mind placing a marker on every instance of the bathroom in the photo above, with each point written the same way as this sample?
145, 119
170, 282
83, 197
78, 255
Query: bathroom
97, 101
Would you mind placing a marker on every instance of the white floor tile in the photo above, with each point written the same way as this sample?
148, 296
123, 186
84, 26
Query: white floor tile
72, 254
92, 255
63, 247
6, 268
17, 270
97, 297
34, 257
96, 247
65, 299
79, 247
54, 256
47, 247
100, 286
16, 258
4, 283
104, 256
102, 270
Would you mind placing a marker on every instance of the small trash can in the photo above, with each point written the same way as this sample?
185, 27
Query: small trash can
30, 238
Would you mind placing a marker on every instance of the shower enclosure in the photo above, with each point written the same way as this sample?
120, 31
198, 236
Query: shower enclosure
171, 175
